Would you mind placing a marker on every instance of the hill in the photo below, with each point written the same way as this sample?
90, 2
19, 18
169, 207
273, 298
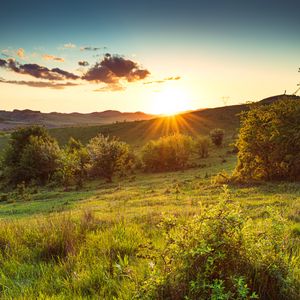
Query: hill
138, 132
195, 122
17, 118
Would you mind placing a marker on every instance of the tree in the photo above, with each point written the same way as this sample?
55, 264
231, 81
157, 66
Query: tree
217, 136
168, 153
269, 142
202, 146
32, 154
107, 156
72, 164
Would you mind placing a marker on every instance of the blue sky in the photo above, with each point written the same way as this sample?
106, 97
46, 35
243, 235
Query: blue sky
242, 49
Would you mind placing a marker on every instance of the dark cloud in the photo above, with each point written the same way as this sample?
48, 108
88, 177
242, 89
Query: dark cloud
163, 80
3, 62
113, 68
89, 48
65, 74
38, 71
40, 84
83, 63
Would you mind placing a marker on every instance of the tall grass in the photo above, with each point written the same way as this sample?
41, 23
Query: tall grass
219, 252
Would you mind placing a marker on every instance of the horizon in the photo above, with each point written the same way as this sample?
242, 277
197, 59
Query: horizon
162, 58
143, 112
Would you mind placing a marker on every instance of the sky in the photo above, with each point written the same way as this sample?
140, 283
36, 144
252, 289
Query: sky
152, 56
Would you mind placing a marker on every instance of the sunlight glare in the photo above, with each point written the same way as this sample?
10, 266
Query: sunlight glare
170, 101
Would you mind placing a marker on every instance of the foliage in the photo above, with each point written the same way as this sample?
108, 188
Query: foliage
202, 146
219, 254
269, 142
73, 162
217, 136
108, 156
39, 159
168, 153
31, 155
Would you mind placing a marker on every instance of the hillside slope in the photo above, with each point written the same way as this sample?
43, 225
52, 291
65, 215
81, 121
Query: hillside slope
138, 132
195, 122
17, 118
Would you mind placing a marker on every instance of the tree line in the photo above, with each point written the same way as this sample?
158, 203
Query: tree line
34, 156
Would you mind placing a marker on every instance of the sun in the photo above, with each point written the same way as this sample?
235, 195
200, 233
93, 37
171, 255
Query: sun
170, 101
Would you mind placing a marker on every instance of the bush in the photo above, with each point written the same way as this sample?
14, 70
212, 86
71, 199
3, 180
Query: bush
219, 254
169, 153
73, 162
202, 146
108, 156
31, 155
217, 136
269, 142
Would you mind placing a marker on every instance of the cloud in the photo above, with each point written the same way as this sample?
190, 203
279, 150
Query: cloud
111, 88
69, 46
65, 74
52, 57
89, 48
38, 71
21, 52
114, 68
163, 80
83, 63
3, 62
40, 84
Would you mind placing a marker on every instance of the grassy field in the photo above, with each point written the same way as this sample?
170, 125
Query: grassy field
85, 244
109, 240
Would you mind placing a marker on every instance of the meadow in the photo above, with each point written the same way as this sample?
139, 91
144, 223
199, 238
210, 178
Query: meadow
194, 233
87, 244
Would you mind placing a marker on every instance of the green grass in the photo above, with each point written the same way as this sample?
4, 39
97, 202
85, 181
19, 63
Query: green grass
86, 244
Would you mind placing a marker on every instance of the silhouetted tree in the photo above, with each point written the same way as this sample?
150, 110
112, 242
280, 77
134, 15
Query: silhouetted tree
217, 136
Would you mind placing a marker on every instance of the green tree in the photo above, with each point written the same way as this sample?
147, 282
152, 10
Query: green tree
217, 136
167, 153
108, 156
31, 154
72, 164
269, 142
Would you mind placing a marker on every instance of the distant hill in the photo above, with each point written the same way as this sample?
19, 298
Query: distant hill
17, 118
195, 122
138, 132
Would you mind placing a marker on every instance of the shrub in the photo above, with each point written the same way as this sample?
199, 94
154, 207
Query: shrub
108, 156
269, 142
39, 159
168, 153
218, 254
31, 155
202, 146
72, 164
217, 136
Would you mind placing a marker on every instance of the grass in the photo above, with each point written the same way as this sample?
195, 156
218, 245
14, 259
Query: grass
86, 244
